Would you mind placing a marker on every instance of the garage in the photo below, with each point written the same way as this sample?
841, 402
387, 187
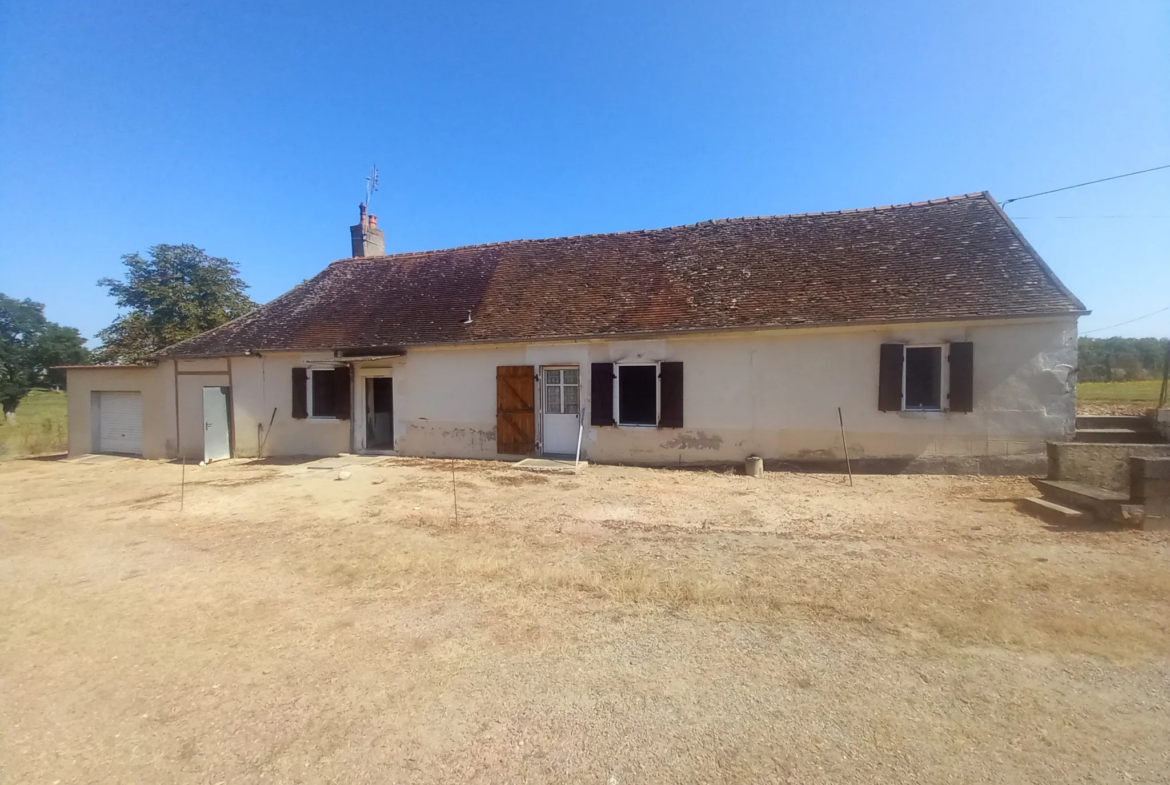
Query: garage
119, 422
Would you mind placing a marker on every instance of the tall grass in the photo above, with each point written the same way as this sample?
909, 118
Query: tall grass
40, 426
1143, 392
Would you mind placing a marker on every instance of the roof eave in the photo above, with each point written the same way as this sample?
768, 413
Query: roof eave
660, 333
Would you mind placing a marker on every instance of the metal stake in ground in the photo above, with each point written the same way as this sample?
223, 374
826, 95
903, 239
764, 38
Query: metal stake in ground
183, 484
454, 496
848, 468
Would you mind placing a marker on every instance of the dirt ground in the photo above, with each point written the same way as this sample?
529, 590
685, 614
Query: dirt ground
618, 626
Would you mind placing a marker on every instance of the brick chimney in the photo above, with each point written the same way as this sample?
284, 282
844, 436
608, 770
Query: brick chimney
366, 237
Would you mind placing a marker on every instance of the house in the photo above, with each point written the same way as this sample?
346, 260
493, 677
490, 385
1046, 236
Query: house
936, 329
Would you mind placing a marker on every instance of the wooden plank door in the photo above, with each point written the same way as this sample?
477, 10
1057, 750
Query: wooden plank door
515, 409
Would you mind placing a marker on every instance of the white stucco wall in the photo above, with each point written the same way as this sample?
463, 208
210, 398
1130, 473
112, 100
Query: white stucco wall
149, 381
774, 394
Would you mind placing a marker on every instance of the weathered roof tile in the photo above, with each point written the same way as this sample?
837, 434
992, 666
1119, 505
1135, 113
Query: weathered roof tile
951, 258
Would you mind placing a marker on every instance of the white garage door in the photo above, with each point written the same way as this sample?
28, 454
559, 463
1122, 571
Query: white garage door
120, 422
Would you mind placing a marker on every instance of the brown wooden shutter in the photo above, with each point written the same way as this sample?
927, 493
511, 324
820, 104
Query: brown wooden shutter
300, 393
890, 378
670, 377
601, 394
515, 410
962, 394
341, 392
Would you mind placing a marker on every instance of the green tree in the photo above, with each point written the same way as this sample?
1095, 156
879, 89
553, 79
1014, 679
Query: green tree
176, 293
29, 345
1117, 358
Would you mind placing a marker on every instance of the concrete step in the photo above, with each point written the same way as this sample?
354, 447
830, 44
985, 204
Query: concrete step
1104, 505
1134, 422
1117, 436
1053, 512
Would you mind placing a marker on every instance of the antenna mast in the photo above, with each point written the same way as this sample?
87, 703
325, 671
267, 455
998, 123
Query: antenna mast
371, 185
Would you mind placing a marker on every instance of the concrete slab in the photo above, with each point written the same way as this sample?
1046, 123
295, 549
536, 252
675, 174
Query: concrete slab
1051, 511
330, 464
98, 459
364, 460
553, 465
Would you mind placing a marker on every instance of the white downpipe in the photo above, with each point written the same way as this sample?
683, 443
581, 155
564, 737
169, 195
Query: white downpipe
580, 433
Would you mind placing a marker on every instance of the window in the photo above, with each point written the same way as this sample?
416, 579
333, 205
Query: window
924, 378
939, 378
324, 386
561, 390
637, 396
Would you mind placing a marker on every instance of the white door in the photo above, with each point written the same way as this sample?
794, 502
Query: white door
562, 405
217, 436
120, 422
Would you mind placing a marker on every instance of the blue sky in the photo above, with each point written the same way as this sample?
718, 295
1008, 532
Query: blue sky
248, 129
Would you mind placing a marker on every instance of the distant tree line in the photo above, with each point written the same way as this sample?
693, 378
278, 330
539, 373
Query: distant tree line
1120, 359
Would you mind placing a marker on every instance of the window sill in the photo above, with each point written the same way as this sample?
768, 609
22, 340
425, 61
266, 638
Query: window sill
921, 414
636, 425
324, 419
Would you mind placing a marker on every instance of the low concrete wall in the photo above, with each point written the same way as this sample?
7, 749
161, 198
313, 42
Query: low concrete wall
1099, 465
1161, 421
1150, 483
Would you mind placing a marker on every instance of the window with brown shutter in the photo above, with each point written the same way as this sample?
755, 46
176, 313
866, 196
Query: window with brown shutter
300, 393
962, 387
321, 393
890, 377
923, 372
670, 378
601, 394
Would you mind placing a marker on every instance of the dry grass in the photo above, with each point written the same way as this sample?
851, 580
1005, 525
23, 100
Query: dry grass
1023, 605
40, 426
648, 626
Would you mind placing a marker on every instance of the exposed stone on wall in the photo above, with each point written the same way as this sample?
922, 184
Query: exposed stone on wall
700, 440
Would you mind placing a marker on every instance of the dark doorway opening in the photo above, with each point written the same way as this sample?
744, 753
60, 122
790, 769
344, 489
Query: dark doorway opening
380, 413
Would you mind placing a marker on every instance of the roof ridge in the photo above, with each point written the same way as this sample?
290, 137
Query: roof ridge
709, 222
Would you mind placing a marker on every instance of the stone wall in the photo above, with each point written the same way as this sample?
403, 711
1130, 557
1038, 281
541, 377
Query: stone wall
1150, 484
1161, 421
1100, 465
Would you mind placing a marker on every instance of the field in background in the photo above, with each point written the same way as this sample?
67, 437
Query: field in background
1122, 397
40, 426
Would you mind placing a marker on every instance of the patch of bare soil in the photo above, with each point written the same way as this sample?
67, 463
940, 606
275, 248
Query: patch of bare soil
621, 625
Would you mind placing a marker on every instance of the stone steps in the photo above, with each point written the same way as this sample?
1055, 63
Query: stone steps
1051, 511
1117, 436
1131, 421
1116, 429
1103, 505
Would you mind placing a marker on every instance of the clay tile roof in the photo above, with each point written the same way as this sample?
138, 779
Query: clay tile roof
943, 259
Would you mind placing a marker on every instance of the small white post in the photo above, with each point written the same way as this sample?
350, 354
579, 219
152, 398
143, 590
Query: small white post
580, 433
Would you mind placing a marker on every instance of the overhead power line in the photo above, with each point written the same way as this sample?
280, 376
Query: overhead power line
1081, 217
1131, 321
1082, 185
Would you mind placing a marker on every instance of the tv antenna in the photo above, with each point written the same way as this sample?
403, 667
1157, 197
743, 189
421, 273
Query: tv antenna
371, 185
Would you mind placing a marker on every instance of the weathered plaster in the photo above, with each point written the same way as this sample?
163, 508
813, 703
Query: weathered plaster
773, 394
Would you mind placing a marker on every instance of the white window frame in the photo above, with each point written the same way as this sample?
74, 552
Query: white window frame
617, 398
309, 393
944, 377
